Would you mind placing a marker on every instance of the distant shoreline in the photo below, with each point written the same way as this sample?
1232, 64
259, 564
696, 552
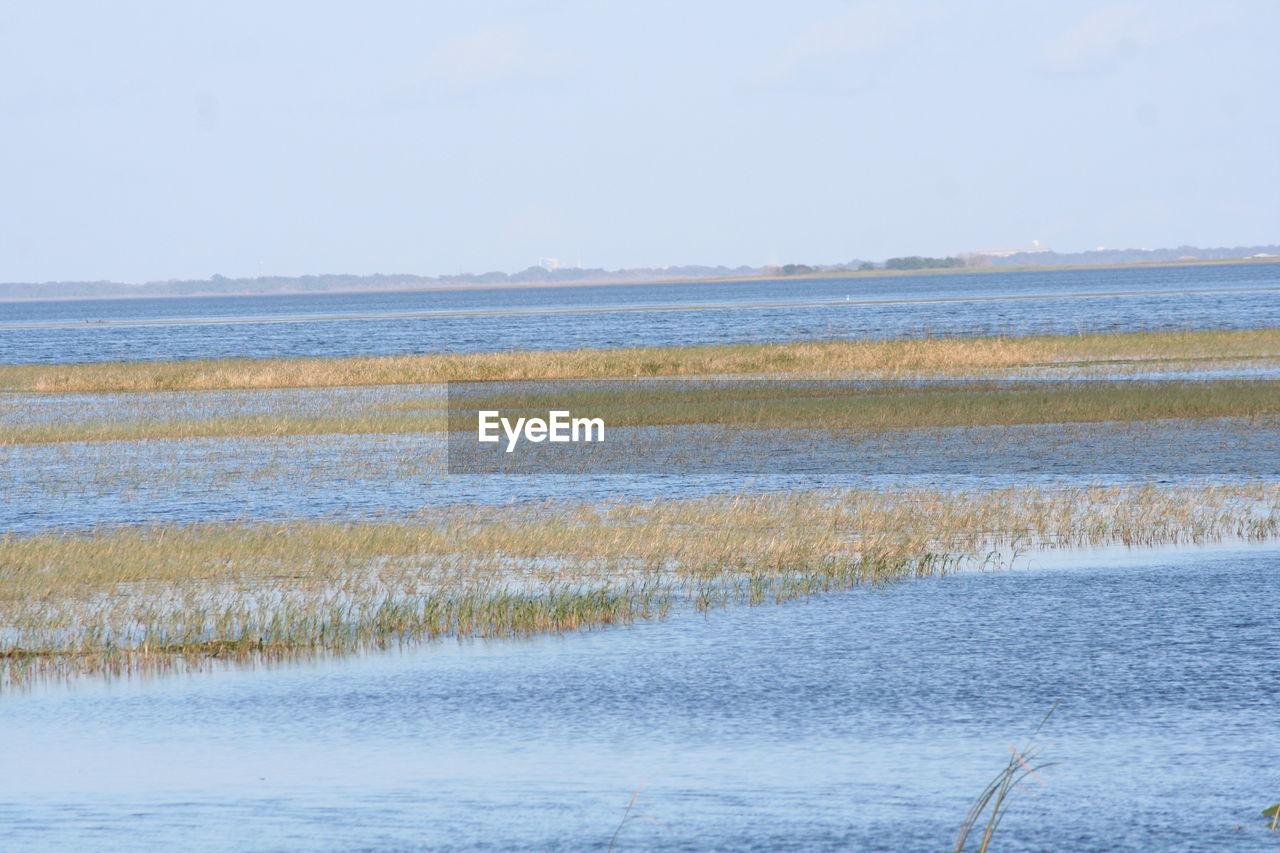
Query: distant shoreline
851, 274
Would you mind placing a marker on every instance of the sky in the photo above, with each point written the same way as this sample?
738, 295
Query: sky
153, 141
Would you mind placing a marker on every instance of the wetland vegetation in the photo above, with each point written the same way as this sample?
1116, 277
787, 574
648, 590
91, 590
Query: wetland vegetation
257, 511
773, 404
152, 596
937, 356
143, 598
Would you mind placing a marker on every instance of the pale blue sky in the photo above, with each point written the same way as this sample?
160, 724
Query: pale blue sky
146, 141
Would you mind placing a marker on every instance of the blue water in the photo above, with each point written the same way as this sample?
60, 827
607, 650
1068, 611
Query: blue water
361, 477
862, 721
1227, 296
859, 721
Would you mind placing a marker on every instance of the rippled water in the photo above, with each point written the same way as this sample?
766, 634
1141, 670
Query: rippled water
1226, 296
861, 721
84, 485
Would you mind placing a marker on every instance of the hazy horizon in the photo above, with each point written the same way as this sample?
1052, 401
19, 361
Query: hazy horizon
149, 142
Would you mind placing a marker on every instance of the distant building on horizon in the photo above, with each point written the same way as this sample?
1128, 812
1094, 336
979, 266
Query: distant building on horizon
1034, 249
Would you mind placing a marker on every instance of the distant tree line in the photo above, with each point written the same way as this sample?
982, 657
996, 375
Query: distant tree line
1132, 256
919, 262
220, 284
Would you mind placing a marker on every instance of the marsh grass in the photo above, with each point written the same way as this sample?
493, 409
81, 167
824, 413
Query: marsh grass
629, 815
838, 358
842, 406
255, 426
752, 404
147, 598
1023, 764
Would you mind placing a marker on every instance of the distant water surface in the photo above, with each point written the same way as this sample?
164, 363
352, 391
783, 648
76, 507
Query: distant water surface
1220, 296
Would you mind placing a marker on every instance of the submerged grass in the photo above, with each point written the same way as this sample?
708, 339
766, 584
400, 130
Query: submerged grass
837, 358
148, 598
776, 404
283, 424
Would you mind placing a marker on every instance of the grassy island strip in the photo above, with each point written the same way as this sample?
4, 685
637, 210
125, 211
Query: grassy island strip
939, 356
776, 404
142, 598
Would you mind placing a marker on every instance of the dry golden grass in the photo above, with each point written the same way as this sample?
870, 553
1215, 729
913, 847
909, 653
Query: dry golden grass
128, 598
843, 358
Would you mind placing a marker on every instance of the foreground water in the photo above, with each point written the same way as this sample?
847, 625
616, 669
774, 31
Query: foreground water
861, 721
1219, 296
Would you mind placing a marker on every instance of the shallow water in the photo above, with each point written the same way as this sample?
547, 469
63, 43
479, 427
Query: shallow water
1226, 296
862, 721
24, 410
82, 485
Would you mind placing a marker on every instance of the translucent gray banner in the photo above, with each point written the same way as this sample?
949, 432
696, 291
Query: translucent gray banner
1137, 429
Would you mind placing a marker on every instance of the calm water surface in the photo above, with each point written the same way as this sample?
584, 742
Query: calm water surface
861, 721
86, 485
1226, 296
